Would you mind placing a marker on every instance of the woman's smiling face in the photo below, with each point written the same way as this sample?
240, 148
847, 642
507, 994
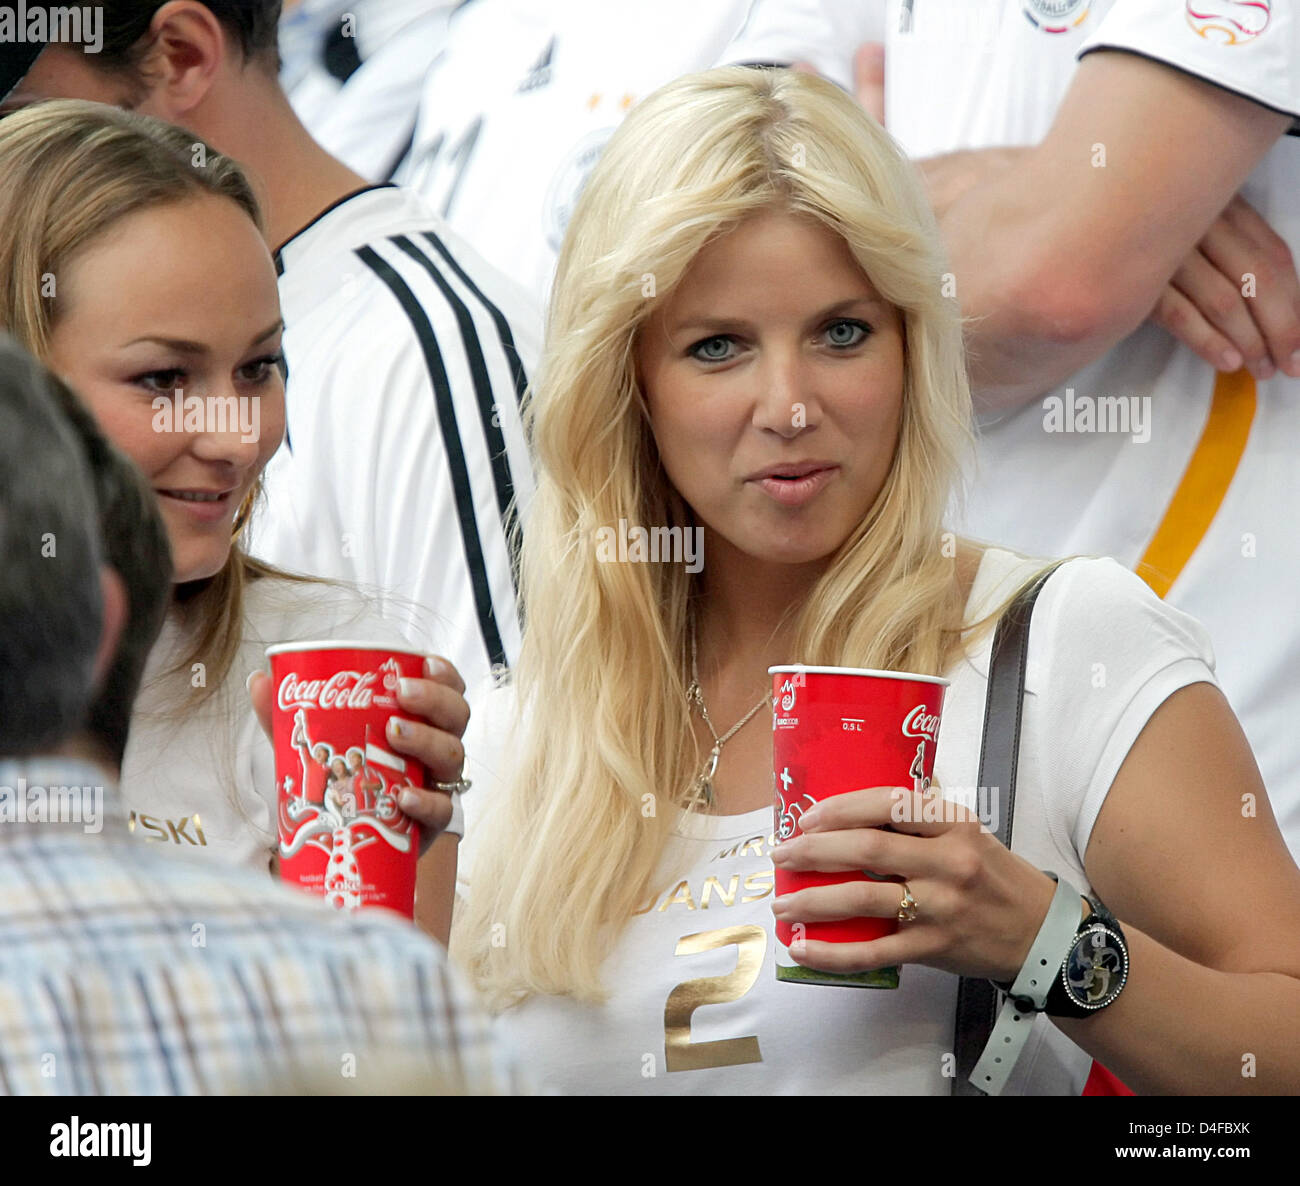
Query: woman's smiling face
773, 376
175, 310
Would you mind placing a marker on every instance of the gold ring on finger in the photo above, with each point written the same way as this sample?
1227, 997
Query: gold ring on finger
907, 907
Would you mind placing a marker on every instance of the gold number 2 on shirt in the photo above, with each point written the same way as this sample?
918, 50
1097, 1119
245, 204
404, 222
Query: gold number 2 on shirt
680, 1053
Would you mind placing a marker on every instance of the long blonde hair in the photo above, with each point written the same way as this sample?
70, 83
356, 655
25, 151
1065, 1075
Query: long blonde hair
69, 171
569, 852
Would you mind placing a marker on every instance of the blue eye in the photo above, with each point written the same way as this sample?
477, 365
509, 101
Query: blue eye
846, 334
706, 349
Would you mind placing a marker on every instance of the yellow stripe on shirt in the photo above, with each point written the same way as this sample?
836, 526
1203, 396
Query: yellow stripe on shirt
1204, 483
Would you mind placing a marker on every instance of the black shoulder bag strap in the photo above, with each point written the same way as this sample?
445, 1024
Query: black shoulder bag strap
977, 1000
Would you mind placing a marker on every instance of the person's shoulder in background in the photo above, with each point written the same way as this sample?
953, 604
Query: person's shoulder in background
387, 216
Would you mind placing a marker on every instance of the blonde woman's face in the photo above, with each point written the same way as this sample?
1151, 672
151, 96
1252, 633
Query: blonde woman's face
773, 376
168, 327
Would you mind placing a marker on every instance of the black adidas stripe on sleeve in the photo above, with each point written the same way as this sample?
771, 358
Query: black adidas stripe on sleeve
453, 445
502, 480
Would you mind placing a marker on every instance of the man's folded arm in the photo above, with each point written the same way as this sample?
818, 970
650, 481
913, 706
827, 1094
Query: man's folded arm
1064, 252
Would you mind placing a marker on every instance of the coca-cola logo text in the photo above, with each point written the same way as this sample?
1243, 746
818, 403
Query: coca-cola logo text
343, 689
919, 723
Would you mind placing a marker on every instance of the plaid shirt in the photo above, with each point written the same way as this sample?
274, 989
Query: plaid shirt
126, 969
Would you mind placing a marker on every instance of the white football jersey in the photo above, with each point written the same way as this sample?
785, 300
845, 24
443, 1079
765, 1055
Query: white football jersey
302, 32
516, 111
823, 33
370, 119
404, 462
974, 46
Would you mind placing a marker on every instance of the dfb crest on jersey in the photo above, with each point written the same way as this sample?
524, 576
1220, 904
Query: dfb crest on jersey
1057, 16
567, 184
1229, 22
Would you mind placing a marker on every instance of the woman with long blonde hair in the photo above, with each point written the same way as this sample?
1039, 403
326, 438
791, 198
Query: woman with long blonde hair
132, 263
750, 345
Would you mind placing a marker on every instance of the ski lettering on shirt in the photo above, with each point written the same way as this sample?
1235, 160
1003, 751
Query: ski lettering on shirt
186, 830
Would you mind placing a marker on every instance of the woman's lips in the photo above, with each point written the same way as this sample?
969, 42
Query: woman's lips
794, 492
209, 511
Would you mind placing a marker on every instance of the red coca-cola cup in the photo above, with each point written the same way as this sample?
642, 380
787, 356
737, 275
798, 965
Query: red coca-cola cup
839, 729
342, 835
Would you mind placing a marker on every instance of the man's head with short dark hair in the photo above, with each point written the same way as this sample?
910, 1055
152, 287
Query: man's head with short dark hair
122, 40
251, 24
210, 67
51, 604
69, 503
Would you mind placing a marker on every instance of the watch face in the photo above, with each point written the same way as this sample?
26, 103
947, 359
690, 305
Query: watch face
1096, 968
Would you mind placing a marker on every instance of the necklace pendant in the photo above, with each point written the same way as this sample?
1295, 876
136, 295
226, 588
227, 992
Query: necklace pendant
704, 783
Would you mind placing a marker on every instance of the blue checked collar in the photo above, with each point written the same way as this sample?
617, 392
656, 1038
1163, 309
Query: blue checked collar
51, 791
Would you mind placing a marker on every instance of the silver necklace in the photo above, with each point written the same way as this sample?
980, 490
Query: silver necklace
703, 789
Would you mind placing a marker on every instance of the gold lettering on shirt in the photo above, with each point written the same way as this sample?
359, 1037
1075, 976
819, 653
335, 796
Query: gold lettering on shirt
680, 1053
186, 830
739, 850
757, 885
681, 894
728, 895
766, 880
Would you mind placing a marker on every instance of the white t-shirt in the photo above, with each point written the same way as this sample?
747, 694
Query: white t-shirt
1104, 653
1006, 65
405, 451
515, 112
205, 780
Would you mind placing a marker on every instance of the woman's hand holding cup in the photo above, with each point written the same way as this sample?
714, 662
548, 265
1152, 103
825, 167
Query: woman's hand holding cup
438, 700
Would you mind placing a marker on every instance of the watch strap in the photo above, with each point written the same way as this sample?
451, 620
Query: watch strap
1100, 913
1029, 991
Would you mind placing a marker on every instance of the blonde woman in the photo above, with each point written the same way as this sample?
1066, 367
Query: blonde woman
749, 336
134, 266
